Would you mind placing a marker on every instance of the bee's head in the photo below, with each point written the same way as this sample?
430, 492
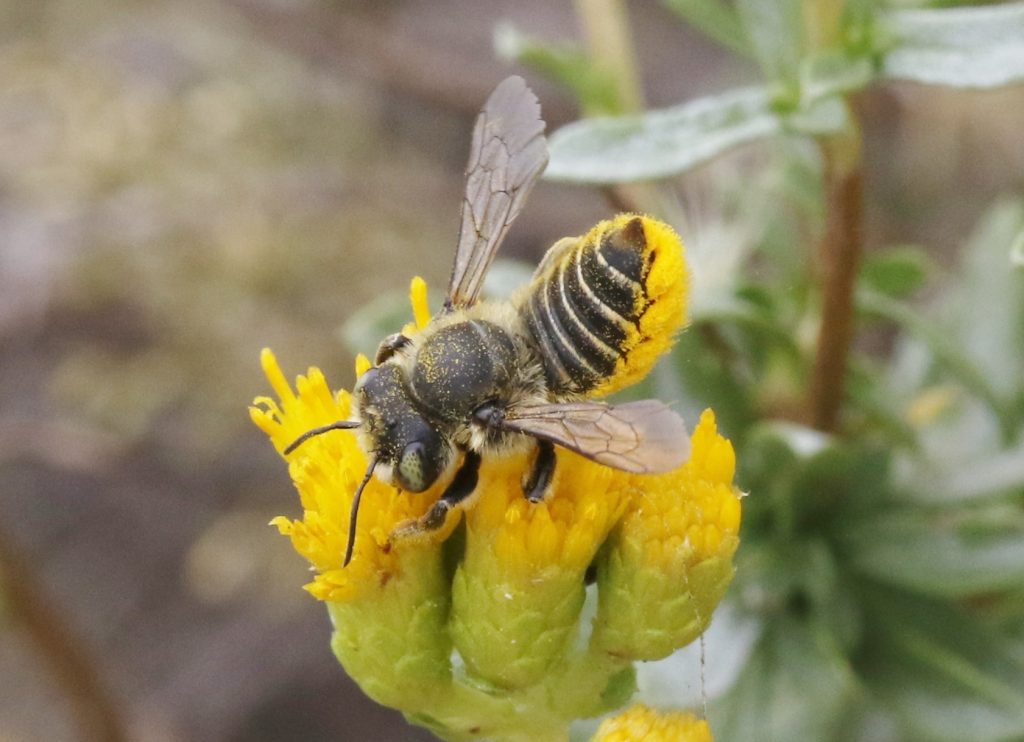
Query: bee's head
410, 450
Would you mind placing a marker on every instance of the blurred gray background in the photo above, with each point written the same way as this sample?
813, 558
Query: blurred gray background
183, 183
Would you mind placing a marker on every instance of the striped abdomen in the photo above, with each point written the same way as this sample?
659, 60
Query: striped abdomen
602, 308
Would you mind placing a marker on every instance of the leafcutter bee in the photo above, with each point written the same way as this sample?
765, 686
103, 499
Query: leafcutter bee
487, 379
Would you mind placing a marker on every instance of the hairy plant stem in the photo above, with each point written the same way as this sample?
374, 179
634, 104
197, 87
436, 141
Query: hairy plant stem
838, 259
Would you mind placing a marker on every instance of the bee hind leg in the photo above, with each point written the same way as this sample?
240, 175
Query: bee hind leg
536, 485
461, 487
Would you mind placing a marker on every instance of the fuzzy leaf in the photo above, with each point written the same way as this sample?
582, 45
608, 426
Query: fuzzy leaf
897, 272
945, 675
944, 348
960, 47
988, 312
660, 143
833, 73
988, 476
939, 552
1017, 251
792, 664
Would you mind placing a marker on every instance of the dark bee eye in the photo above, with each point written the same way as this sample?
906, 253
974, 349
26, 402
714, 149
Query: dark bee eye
412, 468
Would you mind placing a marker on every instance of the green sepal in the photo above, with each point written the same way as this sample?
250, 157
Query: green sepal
510, 631
394, 642
646, 612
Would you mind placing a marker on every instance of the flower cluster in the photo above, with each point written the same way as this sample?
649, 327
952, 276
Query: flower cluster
481, 635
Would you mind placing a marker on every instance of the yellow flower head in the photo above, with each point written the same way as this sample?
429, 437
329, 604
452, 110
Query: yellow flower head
326, 471
642, 724
687, 515
487, 635
566, 529
670, 560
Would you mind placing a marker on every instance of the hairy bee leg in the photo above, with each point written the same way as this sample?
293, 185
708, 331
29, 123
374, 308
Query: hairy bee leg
461, 487
543, 472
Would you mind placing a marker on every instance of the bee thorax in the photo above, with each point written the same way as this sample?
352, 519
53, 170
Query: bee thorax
462, 366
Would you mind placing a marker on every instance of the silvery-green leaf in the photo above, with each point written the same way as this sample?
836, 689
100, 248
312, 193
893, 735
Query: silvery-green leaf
832, 73
943, 552
363, 330
505, 276
981, 47
945, 674
821, 116
660, 143
796, 686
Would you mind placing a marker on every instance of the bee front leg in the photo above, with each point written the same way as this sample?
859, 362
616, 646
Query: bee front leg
543, 472
461, 487
389, 346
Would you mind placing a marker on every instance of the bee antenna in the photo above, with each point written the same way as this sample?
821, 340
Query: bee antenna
340, 425
354, 512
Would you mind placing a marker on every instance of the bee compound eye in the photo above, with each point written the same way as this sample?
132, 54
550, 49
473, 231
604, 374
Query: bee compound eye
412, 469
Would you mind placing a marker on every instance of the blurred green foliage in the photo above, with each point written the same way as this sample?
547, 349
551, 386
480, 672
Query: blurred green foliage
883, 558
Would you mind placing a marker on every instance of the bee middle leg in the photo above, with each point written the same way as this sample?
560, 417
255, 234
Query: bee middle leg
461, 487
542, 473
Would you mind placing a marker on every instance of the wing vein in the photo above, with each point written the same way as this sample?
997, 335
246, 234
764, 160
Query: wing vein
507, 156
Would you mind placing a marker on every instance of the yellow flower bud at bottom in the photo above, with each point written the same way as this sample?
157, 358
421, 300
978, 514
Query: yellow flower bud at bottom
642, 724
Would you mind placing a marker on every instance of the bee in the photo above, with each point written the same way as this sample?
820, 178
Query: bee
487, 379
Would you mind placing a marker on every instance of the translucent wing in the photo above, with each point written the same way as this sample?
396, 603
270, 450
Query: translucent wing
644, 437
506, 158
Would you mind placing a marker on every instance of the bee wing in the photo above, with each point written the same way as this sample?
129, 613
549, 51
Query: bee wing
645, 437
506, 158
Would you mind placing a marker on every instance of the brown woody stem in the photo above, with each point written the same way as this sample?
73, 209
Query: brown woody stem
839, 258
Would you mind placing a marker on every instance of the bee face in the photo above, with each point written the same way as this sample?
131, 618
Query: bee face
415, 452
